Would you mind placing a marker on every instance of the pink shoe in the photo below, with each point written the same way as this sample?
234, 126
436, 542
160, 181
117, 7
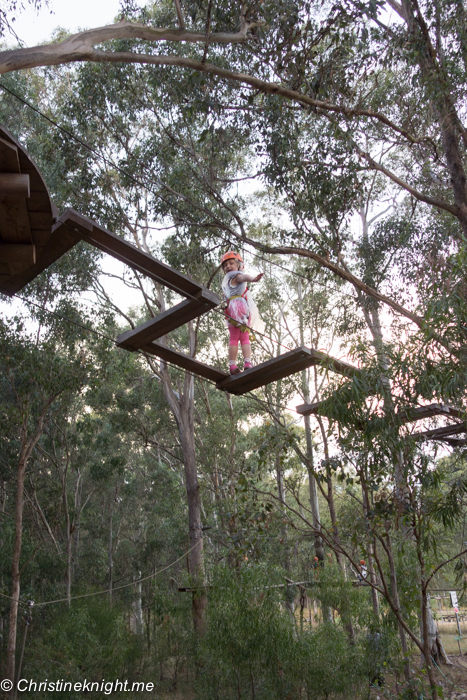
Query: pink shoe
234, 369
247, 365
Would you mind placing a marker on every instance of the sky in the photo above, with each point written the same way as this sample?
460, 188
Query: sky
36, 27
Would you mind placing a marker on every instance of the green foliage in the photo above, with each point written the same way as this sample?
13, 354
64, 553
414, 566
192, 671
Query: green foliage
252, 648
90, 641
106, 491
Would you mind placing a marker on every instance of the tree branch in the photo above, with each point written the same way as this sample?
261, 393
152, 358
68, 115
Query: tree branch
181, 21
80, 47
374, 165
440, 566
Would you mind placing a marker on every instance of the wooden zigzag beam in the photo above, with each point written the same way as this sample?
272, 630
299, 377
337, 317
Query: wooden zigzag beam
169, 320
183, 361
138, 260
33, 237
280, 367
409, 415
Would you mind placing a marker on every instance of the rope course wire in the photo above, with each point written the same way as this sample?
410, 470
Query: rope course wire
108, 590
107, 161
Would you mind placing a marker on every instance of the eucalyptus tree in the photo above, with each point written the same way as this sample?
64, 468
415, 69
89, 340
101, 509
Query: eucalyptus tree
323, 98
132, 199
298, 43
40, 378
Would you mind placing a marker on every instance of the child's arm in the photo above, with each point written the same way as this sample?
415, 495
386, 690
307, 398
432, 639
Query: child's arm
238, 279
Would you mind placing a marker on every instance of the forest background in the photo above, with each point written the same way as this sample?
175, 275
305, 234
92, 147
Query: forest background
167, 531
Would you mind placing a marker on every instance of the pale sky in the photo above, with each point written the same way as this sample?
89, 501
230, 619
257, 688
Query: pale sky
35, 28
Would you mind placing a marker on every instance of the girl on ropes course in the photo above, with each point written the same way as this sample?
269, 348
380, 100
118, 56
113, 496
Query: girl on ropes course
241, 312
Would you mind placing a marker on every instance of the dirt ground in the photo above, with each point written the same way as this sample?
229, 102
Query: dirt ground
455, 683
453, 679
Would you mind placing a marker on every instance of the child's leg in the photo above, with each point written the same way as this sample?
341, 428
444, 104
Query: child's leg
234, 334
246, 346
233, 353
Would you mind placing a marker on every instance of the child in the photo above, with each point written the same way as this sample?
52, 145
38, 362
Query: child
241, 310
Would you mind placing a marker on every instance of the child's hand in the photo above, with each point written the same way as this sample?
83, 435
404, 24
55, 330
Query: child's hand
258, 277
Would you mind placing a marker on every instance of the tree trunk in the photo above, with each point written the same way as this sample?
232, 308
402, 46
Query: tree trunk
435, 645
138, 608
69, 536
442, 105
196, 555
2, 515
27, 447
396, 599
371, 568
15, 573
110, 553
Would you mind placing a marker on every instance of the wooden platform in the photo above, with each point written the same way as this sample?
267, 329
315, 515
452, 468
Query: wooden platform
168, 320
33, 236
280, 367
26, 214
184, 362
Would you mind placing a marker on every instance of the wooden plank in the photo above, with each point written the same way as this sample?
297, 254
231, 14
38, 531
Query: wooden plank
9, 160
409, 415
440, 433
168, 321
36, 183
271, 371
130, 255
14, 184
328, 362
309, 409
14, 220
17, 252
184, 362
61, 240
406, 415
455, 442
283, 366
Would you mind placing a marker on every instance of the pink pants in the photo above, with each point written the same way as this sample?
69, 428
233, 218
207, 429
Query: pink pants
237, 335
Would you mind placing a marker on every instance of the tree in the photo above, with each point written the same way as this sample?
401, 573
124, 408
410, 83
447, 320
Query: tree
364, 118
38, 378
